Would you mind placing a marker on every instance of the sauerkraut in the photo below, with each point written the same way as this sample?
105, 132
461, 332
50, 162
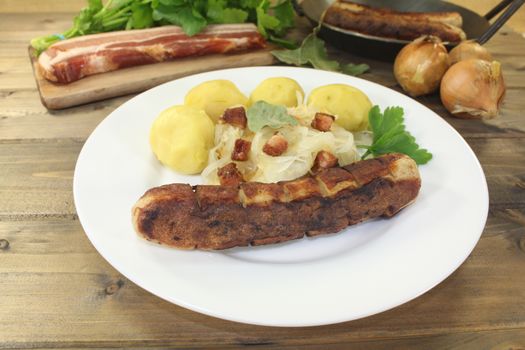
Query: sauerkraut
304, 142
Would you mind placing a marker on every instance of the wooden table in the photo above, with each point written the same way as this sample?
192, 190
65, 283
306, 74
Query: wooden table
57, 291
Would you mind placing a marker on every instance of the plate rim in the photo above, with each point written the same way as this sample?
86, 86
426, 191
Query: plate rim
196, 308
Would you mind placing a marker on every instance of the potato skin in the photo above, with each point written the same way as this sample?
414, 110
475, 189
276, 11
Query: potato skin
214, 97
181, 137
349, 104
277, 91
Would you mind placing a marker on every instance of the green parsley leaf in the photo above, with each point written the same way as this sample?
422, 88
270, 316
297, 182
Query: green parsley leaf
141, 16
264, 20
285, 13
355, 69
390, 135
288, 44
185, 16
262, 114
218, 12
313, 52
293, 57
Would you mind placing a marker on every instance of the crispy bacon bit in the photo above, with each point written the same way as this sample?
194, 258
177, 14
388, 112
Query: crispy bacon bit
275, 146
229, 175
324, 160
241, 150
322, 121
235, 116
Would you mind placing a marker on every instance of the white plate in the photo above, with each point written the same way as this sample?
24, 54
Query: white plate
365, 269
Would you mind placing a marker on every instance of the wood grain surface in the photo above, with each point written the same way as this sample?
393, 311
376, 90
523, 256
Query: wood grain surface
56, 291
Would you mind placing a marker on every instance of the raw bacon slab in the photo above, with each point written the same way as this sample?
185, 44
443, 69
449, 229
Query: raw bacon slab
73, 59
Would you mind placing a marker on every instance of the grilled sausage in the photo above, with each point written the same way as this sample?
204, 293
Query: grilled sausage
221, 217
387, 23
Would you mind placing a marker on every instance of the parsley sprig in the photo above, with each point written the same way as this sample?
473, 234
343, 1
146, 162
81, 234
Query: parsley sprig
312, 52
262, 114
390, 135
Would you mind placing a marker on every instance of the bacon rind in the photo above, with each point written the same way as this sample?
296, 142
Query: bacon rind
70, 60
221, 217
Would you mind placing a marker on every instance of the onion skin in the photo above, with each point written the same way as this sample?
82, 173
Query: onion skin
467, 50
473, 89
420, 65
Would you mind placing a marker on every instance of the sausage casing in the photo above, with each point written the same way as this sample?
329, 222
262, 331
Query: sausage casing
221, 217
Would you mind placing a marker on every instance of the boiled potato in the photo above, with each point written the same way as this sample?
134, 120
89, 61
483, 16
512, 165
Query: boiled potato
181, 137
214, 97
349, 104
277, 91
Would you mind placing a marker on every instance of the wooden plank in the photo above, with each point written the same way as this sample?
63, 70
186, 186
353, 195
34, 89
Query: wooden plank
22, 116
50, 277
37, 175
39, 6
37, 178
33, 24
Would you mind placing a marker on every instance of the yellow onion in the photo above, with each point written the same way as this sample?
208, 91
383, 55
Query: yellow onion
469, 49
473, 89
420, 65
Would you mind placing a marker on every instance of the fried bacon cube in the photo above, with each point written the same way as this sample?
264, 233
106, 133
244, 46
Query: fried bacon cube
229, 175
241, 149
235, 116
322, 121
324, 160
275, 146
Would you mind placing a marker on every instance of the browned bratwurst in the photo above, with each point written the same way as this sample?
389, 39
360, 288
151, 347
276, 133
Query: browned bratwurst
387, 23
220, 217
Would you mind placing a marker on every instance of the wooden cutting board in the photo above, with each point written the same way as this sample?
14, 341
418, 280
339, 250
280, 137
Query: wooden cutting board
136, 79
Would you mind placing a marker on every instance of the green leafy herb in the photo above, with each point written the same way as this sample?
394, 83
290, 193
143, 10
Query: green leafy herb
218, 12
313, 52
262, 114
285, 13
294, 57
186, 16
142, 16
355, 69
390, 135
192, 15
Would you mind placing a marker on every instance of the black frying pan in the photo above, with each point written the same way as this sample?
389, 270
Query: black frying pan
475, 26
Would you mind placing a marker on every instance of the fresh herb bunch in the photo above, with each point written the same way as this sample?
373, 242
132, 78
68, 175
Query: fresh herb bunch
389, 134
272, 19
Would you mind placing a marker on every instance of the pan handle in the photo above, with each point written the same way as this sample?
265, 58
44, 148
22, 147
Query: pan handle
497, 9
494, 27
298, 9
